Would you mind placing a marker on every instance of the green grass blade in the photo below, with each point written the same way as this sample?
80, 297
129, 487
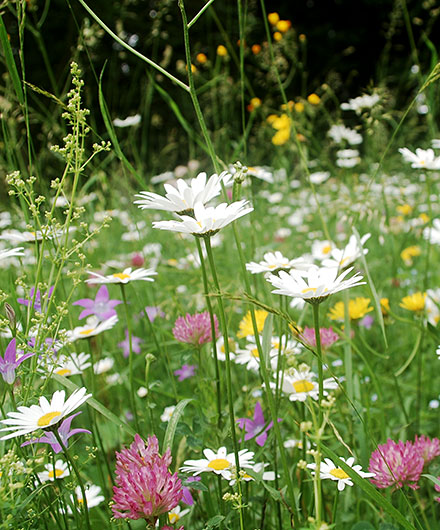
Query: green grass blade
172, 424
96, 405
372, 290
10, 63
369, 489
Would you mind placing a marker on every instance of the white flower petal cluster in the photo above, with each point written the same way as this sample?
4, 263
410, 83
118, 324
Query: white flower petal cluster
93, 327
61, 471
421, 159
206, 220
274, 261
67, 365
46, 414
361, 102
183, 198
339, 133
342, 258
314, 284
93, 497
432, 233
11, 252
127, 275
328, 469
220, 462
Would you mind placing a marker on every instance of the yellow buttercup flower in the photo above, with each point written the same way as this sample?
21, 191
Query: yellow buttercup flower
410, 252
424, 217
284, 25
281, 137
384, 305
357, 308
256, 49
314, 99
277, 35
414, 302
404, 209
273, 18
201, 58
246, 328
281, 122
299, 107
222, 51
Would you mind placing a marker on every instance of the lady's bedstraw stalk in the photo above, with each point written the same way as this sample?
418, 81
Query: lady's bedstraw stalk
228, 369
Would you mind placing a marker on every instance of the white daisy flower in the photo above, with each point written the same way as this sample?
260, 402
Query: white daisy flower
301, 384
61, 471
206, 220
11, 252
93, 327
220, 462
322, 249
329, 470
167, 413
176, 514
274, 261
422, 158
68, 365
220, 346
342, 258
183, 198
30, 419
432, 233
347, 162
256, 468
127, 275
103, 365
260, 173
93, 497
16, 236
318, 177
315, 284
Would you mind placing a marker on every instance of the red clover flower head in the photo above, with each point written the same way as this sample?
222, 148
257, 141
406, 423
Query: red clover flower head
145, 487
428, 449
328, 336
396, 464
195, 329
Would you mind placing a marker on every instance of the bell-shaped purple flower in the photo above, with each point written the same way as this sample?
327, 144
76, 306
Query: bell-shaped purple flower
256, 428
9, 362
101, 306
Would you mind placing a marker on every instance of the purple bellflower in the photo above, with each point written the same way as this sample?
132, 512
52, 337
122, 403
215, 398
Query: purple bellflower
37, 303
256, 427
9, 362
153, 312
101, 306
186, 371
64, 432
135, 344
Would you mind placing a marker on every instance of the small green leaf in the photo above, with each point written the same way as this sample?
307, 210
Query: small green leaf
432, 478
172, 424
214, 521
10, 63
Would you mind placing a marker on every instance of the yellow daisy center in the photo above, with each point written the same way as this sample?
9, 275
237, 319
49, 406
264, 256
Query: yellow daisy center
338, 473
63, 371
303, 386
121, 275
255, 353
173, 517
326, 249
219, 463
309, 290
86, 331
58, 473
45, 420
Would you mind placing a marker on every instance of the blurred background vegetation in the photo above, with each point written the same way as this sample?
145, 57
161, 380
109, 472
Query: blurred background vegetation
335, 49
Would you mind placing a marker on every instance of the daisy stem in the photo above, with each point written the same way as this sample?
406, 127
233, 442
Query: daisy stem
318, 492
130, 358
214, 345
335, 508
228, 370
348, 361
78, 476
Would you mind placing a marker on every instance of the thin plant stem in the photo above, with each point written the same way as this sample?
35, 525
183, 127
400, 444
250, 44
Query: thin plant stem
318, 492
78, 476
211, 317
130, 358
348, 357
228, 370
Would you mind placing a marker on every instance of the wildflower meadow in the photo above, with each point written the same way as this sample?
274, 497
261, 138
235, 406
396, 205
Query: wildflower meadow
220, 286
